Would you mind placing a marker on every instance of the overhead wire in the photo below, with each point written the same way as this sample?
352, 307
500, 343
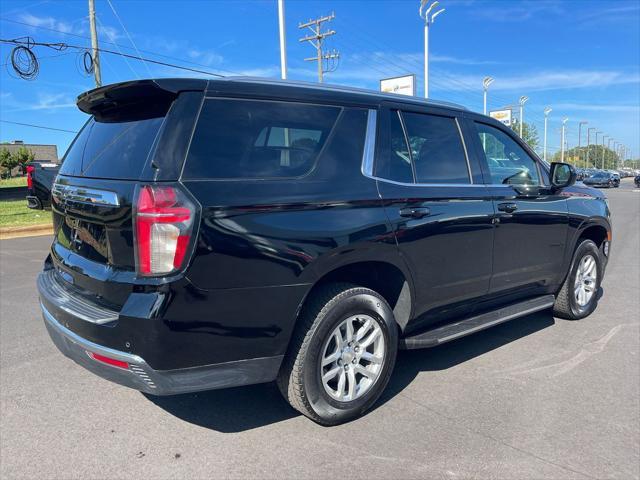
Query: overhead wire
128, 36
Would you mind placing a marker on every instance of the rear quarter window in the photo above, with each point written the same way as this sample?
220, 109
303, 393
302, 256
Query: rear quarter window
244, 139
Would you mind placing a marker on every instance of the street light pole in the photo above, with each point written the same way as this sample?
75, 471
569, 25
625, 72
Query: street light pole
485, 86
523, 100
603, 137
580, 137
586, 162
595, 158
564, 123
283, 40
547, 111
428, 20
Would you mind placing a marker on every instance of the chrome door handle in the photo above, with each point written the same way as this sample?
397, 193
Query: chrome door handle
508, 207
415, 212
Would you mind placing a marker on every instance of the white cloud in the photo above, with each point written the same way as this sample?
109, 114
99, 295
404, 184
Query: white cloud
545, 80
47, 22
596, 107
46, 102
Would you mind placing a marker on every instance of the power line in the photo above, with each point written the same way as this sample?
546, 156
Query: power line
127, 33
149, 52
103, 50
38, 126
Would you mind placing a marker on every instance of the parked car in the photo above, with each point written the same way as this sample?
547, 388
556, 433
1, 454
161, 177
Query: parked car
600, 179
40, 177
636, 180
615, 176
212, 234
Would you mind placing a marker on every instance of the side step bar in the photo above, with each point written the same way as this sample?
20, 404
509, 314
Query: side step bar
446, 333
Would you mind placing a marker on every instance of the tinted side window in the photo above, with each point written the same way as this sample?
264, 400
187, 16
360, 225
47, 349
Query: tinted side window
436, 148
395, 164
257, 139
508, 162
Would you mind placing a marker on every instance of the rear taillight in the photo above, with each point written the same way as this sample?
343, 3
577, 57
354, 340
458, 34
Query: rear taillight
163, 222
30, 170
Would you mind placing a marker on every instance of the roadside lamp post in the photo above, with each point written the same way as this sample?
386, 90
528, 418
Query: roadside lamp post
547, 111
603, 137
586, 164
564, 126
609, 143
580, 137
595, 155
523, 100
429, 18
485, 86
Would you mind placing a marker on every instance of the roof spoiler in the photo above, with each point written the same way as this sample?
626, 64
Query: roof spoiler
135, 100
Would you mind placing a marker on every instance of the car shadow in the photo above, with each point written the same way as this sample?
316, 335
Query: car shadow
244, 408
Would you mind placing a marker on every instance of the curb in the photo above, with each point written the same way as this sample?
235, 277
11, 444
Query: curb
28, 231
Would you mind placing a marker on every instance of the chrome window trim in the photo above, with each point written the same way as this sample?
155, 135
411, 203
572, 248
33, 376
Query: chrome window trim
369, 143
406, 141
91, 196
466, 154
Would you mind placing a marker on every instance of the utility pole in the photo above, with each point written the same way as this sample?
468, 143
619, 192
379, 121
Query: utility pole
586, 161
523, 100
564, 123
283, 40
580, 138
485, 86
316, 40
547, 111
94, 44
428, 20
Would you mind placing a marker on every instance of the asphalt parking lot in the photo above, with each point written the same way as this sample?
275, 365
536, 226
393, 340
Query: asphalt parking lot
535, 398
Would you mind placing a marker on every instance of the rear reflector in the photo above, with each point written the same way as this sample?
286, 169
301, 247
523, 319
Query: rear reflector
109, 361
164, 218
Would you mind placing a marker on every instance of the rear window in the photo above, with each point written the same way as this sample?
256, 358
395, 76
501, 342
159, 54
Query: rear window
257, 139
111, 150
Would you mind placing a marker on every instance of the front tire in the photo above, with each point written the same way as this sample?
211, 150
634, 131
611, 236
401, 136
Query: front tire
578, 295
341, 355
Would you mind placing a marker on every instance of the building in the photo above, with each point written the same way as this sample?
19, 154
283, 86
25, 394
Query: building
43, 153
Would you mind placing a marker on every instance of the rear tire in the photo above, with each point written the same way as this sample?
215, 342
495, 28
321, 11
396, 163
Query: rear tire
578, 296
324, 353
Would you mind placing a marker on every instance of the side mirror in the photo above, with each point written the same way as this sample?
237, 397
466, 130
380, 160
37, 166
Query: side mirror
562, 175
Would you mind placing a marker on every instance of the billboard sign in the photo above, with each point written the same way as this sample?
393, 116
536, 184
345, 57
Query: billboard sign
401, 85
503, 116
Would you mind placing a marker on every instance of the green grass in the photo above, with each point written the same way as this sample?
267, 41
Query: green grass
14, 213
13, 182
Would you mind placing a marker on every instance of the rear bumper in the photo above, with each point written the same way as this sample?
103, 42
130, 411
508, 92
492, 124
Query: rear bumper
140, 376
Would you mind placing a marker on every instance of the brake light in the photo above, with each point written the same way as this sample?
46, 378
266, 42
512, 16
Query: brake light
30, 170
163, 222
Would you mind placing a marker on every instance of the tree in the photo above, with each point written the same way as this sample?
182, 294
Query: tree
590, 157
529, 133
23, 156
7, 162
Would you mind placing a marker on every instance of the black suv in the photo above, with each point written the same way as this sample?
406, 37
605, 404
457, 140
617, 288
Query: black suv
211, 234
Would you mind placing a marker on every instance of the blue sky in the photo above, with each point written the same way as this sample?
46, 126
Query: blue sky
580, 57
